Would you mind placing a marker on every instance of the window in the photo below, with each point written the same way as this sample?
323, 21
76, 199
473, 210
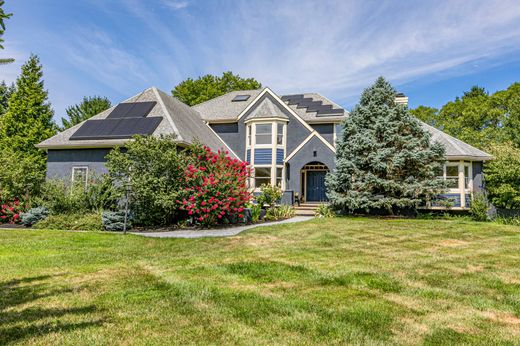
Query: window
467, 178
279, 176
249, 135
79, 175
279, 136
263, 133
262, 176
241, 98
452, 176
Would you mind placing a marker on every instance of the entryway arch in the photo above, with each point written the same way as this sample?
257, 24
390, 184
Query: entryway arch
313, 182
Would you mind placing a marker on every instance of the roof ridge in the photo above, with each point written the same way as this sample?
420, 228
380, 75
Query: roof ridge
158, 93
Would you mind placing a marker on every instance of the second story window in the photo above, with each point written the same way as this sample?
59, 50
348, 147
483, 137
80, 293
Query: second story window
263, 134
279, 134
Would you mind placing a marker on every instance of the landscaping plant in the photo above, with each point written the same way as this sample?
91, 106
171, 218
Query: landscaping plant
479, 208
214, 186
384, 159
324, 211
280, 212
10, 210
269, 195
33, 215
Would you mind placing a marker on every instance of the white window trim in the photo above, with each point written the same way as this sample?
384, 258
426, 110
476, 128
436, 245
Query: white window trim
273, 146
80, 167
462, 189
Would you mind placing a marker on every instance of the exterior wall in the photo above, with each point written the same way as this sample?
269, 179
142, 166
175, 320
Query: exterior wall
326, 131
60, 162
235, 135
305, 156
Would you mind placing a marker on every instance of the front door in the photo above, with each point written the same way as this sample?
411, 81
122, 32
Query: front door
316, 186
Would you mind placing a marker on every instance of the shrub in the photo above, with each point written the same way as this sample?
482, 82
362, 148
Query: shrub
214, 186
168, 185
511, 220
269, 195
115, 220
34, 215
280, 213
503, 176
10, 210
83, 222
99, 194
479, 207
324, 211
256, 211
155, 169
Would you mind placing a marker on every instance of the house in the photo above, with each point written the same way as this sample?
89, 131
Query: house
289, 140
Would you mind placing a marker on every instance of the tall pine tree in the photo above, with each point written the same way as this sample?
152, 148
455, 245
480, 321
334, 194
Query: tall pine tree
384, 159
27, 122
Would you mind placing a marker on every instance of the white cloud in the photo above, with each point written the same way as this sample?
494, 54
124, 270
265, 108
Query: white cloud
175, 4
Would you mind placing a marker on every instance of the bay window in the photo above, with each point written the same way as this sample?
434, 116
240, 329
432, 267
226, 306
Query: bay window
265, 150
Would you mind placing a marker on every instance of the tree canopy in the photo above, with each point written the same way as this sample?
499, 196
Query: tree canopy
3, 16
195, 91
27, 122
478, 118
384, 158
5, 94
89, 107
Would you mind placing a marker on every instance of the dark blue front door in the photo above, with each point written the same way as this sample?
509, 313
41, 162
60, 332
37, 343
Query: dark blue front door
316, 186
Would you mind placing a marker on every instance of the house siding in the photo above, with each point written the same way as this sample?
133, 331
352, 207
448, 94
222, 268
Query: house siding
60, 162
326, 131
478, 177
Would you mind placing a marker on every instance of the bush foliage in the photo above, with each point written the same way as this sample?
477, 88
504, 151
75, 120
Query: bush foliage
503, 176
167, 185
72, 221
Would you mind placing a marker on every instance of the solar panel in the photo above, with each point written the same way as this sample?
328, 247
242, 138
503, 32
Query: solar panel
132, 110
331, 112
241, 98
116, 128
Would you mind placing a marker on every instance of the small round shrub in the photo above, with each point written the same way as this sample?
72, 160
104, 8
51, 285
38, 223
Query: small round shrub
34, 215
479, 208
114, 221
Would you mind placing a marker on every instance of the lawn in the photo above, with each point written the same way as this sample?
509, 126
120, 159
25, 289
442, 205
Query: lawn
343, 280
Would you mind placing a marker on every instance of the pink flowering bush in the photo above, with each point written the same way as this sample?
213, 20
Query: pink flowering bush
10, 210
215, 186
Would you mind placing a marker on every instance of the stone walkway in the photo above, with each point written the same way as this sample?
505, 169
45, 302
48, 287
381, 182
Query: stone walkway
223, 232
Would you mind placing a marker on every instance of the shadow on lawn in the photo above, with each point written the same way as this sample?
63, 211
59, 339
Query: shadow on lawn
19, 323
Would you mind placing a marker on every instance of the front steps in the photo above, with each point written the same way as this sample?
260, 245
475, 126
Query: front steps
307, 209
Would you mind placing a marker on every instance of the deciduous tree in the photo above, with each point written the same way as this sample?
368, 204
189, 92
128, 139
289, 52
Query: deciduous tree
195, 91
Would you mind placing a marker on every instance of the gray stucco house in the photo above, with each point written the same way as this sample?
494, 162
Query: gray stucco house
289, 140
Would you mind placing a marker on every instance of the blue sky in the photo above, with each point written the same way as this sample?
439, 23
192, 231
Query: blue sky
430, 50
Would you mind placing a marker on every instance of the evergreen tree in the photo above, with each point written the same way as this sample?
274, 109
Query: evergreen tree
384, 159
5, 94
3, 16
89, 107
27, 122
207, 87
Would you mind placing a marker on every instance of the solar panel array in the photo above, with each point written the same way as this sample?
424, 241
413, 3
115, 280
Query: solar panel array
311, 106
240, 98
125, 121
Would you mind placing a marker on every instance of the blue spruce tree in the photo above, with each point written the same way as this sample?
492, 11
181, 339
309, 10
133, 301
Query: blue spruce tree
385, 161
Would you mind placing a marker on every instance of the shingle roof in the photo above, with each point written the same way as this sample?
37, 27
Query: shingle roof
266, 109
222, 108
456, 148
178, 119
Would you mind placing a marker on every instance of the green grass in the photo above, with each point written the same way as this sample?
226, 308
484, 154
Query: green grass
334, 281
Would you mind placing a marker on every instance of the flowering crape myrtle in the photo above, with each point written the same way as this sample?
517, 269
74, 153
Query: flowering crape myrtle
215, 186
